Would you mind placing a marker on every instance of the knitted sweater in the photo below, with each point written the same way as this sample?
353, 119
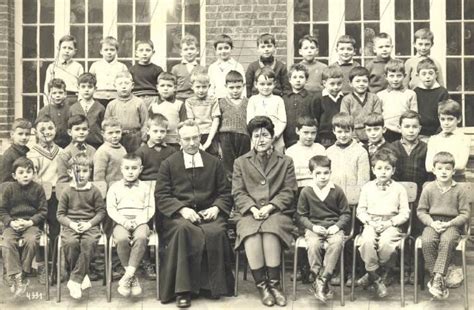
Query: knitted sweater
376, 67
145, 78
131, 112
395, 102
59, 113
27, 202
346, 68
428, 100
107, 161
183, 89
323, 110
458, 144
64, 160
233, 116
202, 111
152, 159
314, 81
95, 116
411, 79
11, 154
172, 111
282, 84
301, 154
352, 105
45, 162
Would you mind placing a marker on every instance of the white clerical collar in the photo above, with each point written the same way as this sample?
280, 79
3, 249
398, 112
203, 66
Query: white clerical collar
192, 161
322, 193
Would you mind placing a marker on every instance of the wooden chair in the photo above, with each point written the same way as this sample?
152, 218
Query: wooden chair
461, 247
411, 192
352, 194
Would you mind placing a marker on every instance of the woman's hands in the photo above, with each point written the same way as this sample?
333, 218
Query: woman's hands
263, 213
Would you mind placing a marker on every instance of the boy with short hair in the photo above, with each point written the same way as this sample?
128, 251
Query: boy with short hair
131, 112
23, 208
130, 204
145, 73
233, 135
168, 106
444, 209
20, 135
58, 111
92, 109
374, 128
78, 129
189, 64
324, 213
204, 110
80, 211
65, 68
383, 51
266, 46
383, 208
360, 102
106, 69
218, 70
345, 49
328, 104
429, 93
396, 99
309, 50
450, 139
423, 42
108, 157
350, 162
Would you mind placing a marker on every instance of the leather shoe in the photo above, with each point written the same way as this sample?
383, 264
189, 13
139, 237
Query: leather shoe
265, 295
277, 292
183, 301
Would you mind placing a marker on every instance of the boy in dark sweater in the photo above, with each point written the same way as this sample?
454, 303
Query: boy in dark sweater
80, 211
374, 128
22, 209
444, 209
383, 51
429, 93
324, 213
20, 135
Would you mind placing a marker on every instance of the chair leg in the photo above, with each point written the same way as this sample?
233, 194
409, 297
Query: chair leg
108, 266
342, 275
464, 271
422, 273
295, 266
58, 272
106, 255
283, 269
402, 273
354, 268
46, 265
416, 251
157, 266
245, 267
236, 284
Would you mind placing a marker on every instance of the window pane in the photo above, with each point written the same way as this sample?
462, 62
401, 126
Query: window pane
125, 38
369, 33
96, 8
468, 9
128, 63
371, 10
191, 11
453, 38
142, 33
402, 9
30, 10
402, 39
421, 9
79, 32
174, 14
43, 66
95, 35
30, 107
320, 31
320, 10
419, 25
47, 41
354, 31
468, 38
301, 9
29, 77
142, 11
173, 37
469, 110
453, 74
453, 10
78, 11
195, 31
47, 11
29, 42
468, 76
125, 8
352, 10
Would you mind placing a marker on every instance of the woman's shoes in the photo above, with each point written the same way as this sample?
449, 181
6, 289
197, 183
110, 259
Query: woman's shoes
277, 292
266, 296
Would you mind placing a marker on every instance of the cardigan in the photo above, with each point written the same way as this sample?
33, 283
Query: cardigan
282, 84
107, 161
428, 100
95, 116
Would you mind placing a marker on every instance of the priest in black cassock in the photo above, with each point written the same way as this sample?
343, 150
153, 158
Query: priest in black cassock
194, 200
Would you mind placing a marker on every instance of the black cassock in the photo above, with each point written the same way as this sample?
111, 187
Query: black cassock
196, 256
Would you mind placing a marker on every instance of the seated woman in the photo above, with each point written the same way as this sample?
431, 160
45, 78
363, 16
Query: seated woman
264, 188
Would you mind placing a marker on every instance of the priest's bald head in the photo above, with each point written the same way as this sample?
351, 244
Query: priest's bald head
189, 136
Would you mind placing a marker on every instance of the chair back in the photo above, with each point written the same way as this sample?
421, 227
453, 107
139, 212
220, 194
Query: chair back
411, 189
352, 194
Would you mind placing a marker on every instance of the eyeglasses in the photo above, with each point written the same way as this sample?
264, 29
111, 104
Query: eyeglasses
193, 138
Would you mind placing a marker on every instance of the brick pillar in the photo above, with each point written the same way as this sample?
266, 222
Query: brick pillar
244, 21
7, 66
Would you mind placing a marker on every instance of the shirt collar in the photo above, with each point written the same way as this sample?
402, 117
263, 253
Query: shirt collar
192, 161
322, 193
185, 62
325, 92
435, 85
83, 101
357, 97
383, 185
406, 143
302, 92
130, 184
401, 89
152, 145
261, 64
445, 190
85, 187
231, 61
380, 59
348, 63
65, 63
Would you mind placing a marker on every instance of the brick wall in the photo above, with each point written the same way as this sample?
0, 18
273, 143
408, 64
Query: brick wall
7, 67
244, 21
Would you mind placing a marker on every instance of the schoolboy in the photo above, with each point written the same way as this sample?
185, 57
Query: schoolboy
80, 211
22, 209
444, 210
383, 50
297, 102
130, 204
219, 69
58, 111
145, 73
360, 102
106, 69
450, 139
204, 110
78, 128
131, 112
309, 50
324, 213
396, 99
328, 104
266, 48
429, 93
233, 137
188, 65
92, 109
156, 149
345, 49
267, 104
168, 106
383, 208
65, 68
20, 135
108, 157
350, 162
424, 40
